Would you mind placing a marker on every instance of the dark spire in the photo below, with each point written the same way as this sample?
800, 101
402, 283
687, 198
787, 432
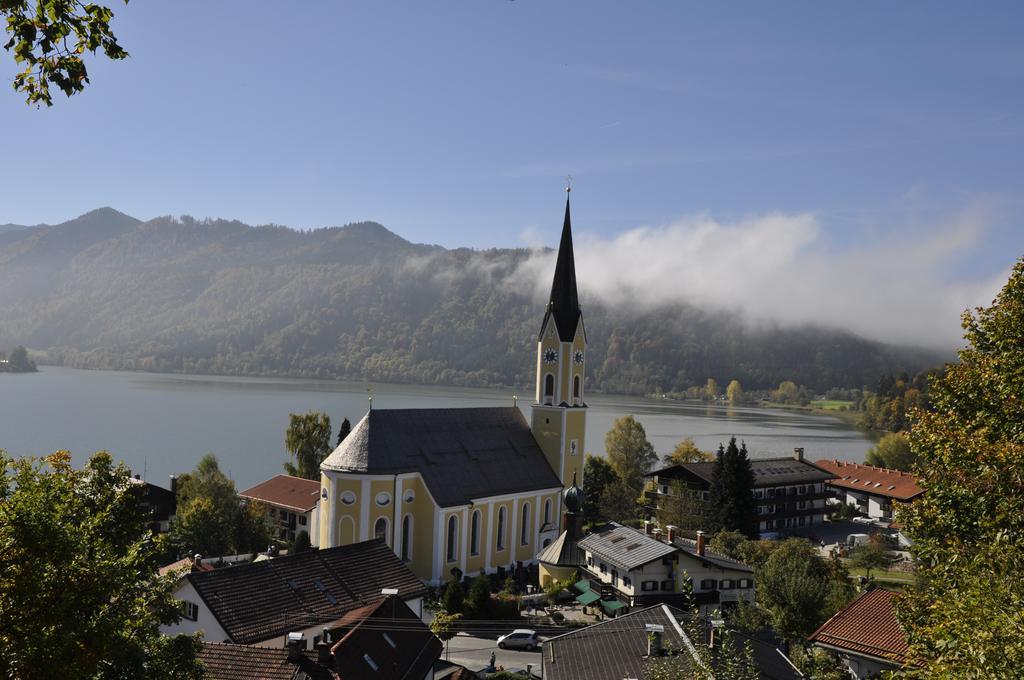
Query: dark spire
564, 304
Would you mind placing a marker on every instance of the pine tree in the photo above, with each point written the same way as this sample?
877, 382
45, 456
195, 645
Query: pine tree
731, 505
343, 431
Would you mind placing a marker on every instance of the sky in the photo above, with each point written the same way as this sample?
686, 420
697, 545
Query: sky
746, 154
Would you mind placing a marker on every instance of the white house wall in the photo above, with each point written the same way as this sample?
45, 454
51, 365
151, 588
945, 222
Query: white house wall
205, 623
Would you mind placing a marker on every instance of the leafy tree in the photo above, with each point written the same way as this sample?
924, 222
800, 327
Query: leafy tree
598, 474
308, 440
629, 452
445, 627
819, 664
344, 431
301, 543
478, 602
892, 451
794, 587
728, 543
454, 596
252, 527
200, 527
686, 451
711, 389
49, 37
787, 393
965, 618
80, 596
756, 553
618, 502
731, 499
18, 361
734, 392
681, 507
869, 556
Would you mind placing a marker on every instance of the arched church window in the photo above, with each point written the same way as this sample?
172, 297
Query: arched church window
501, 528
576, 390
453, 538
549, 388
547, 511
406, 538
474, 534
380, 529
524, 532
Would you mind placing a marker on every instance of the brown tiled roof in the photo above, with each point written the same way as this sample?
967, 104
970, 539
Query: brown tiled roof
867, 626
294, 493
390, 635
261, 600
901, 486
241, 662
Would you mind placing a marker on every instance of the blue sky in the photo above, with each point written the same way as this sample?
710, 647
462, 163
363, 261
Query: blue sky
456, 122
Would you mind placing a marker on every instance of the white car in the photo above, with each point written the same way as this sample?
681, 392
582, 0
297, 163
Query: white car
520, 638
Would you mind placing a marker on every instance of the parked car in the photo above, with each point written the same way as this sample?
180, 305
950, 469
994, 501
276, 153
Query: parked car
520, 638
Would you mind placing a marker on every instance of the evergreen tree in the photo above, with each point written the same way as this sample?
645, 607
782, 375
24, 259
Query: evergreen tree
478, 602
731, 505
454, 597
343, 431
598, 475
301, 543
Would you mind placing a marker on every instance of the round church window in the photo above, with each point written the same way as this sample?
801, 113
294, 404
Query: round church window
348, 498
383, 498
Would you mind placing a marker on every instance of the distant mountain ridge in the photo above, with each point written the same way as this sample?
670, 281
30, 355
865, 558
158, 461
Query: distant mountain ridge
106, 290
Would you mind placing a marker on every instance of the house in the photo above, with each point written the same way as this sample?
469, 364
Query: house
866, 635
260, 603
469, 490
874, 490
624, 567
790, 491
158, 504
293, 506
622, 647
382, 641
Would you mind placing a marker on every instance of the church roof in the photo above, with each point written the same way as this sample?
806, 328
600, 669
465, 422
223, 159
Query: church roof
561, 552
461, 453
564, 303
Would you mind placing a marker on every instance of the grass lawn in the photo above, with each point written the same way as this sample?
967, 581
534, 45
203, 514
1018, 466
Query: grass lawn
832, 404
884, 577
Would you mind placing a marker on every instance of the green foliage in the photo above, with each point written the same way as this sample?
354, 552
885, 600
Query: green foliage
728, 543
618, 502
734, 392
794, 587
749, 618
819, 664
964, 619
711, 389
48, 39
80, 596
598, 475
686, 451
344, 431
869, 556
201, 527
892, 451
888, 409
477, 604
789, 393
756, 553
301, 543
18, 362
682, 507
454, 597
308, 440
731, 499
629, 452
445, 626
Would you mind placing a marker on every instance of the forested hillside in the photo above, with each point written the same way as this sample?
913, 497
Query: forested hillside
358, 302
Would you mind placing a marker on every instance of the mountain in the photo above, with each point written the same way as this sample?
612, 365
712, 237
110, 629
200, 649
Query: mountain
106, 290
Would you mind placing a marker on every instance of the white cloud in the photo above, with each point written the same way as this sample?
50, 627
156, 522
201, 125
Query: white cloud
779, 267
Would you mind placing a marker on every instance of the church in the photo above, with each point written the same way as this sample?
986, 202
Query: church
469, 488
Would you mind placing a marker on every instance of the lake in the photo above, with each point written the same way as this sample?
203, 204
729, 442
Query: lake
161, 424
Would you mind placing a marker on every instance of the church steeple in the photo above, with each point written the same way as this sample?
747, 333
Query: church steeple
564, 303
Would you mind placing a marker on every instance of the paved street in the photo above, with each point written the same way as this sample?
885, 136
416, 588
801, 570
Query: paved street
475, 653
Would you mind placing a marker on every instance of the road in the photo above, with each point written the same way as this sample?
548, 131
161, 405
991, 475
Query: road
475, 653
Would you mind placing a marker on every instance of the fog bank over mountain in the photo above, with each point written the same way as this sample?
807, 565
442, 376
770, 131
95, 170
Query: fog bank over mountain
665, 307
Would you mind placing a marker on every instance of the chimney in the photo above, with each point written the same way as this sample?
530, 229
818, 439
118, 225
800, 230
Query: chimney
700, 543
657, 534
655, 633
174, 484
323, 649
672, 533
648, 527
798, 453
197, 560
296, 643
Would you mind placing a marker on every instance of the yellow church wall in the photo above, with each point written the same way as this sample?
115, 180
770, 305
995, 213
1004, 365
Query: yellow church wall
377, 511
325, 510
547, 430
475, 563
525, 552
501, 558
346, 533
575, 428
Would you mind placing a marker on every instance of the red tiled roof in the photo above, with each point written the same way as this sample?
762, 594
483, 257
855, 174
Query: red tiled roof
294, 493
868, 626
901, 486
241, 662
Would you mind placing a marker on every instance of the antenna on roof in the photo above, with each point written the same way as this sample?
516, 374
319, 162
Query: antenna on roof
369, 393
515, 400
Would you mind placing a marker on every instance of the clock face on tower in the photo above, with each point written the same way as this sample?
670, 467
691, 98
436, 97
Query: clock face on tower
578, 357
550, 356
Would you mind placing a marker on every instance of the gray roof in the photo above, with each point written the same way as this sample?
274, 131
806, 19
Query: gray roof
624, 547
689, 547
767, 471
561, 552
462, 453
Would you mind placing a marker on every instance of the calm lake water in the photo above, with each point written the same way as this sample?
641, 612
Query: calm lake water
162, 424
